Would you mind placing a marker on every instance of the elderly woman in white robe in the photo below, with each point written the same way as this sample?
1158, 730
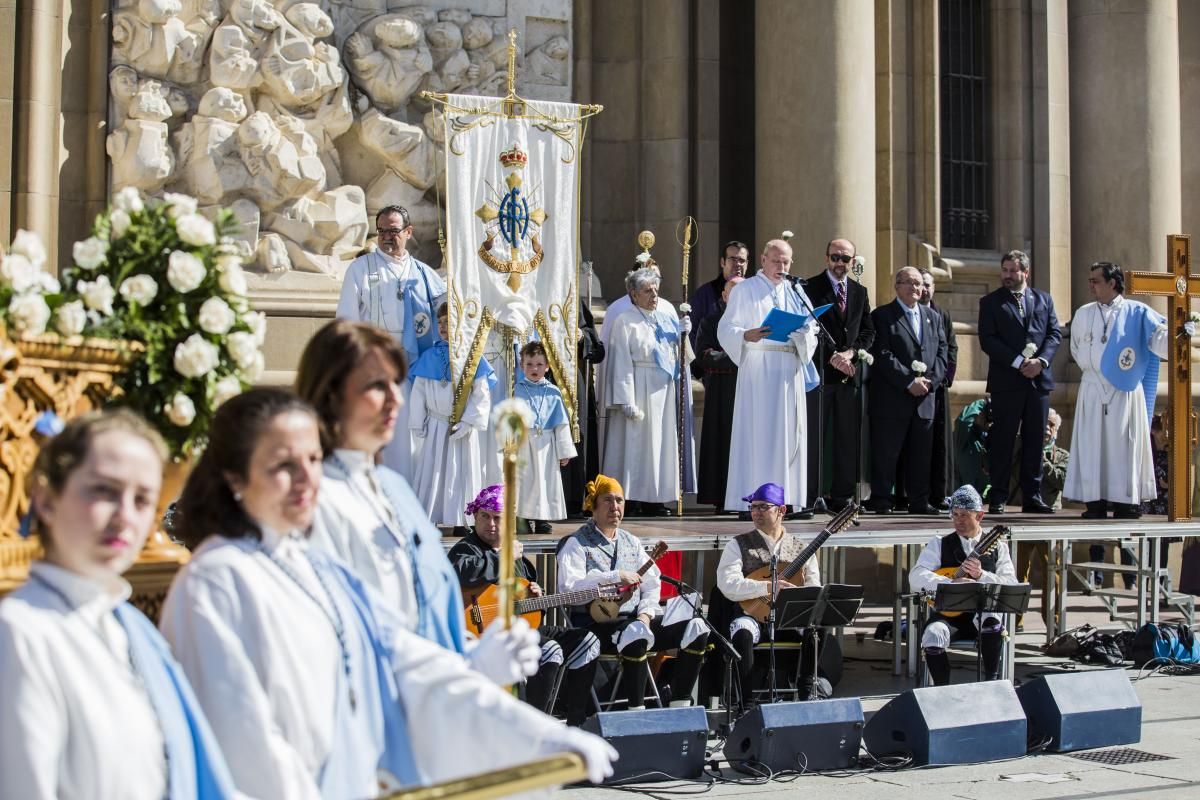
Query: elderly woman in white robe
640, 394
93, 705
313, 687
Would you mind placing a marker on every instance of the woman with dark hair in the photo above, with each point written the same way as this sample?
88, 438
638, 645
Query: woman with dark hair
77, 657
369, 517
310, 682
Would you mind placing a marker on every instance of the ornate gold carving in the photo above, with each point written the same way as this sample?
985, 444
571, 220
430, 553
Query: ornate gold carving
462, 389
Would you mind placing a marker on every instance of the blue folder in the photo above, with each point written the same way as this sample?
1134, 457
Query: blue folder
783, 323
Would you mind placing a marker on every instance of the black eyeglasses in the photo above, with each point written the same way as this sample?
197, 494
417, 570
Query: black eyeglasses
835, 257
391, 231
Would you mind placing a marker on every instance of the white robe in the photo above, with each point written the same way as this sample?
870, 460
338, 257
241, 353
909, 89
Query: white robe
1111, 458
490, 449
540, 490
769, 439
642, 454
74, 718
448, 474
264, 663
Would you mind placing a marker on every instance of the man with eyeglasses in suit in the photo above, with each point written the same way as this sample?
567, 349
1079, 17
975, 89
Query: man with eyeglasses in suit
391, 289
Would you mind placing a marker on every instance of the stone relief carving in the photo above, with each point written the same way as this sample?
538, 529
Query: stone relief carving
303, 115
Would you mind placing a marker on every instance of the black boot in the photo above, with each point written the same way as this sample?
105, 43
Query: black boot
1096, 509
938, 664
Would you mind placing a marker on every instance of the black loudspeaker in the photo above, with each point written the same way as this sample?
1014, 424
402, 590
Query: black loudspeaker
808, 736
958, 724
1082, 710
655, 744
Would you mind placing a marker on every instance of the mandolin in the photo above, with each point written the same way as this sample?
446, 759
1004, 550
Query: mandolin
606, 610
987, 543
760, 607
483, 607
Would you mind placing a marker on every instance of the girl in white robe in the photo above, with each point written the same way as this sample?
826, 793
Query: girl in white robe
449, 457
313, 687
92, 704
641, 441
549, 446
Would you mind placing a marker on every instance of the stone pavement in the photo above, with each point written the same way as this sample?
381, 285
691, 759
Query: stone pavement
1170, 727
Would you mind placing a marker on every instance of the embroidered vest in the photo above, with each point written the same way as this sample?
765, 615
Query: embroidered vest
600, 553
953, 555
755, 553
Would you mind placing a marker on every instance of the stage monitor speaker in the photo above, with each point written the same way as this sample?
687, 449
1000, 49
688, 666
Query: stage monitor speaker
655, 744
809, 736
957, 724
1082, 710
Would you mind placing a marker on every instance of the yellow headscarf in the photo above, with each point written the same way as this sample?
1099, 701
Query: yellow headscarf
601, 486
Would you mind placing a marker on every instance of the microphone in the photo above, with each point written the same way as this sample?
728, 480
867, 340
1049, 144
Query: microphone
795, 280
680, 585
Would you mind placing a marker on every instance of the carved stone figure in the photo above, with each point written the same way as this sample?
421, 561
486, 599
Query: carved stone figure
298, 70
282, 160
208, 148
140, 152
547, 65
388, 59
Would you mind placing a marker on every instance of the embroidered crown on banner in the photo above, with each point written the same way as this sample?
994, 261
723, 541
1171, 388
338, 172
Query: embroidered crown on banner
514, 158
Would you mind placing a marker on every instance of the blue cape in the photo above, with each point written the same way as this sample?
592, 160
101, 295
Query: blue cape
1127, 359
434, 364
545, 400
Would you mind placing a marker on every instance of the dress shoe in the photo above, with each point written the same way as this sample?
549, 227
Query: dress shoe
942, 506
924, 510
1097, 509
656, 510
1035, 505
804, 513
836, 504
1126, 511
995, 508
880, 509
542, 526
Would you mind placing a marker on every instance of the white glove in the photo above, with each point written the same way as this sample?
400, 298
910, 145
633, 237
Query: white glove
507, 656
1189, 328
597, 754
460, 431
633, 412
686, 324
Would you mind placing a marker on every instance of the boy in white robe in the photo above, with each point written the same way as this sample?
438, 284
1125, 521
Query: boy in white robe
548, 447
449, 457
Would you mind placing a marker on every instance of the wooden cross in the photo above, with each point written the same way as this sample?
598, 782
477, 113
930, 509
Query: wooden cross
1179, 285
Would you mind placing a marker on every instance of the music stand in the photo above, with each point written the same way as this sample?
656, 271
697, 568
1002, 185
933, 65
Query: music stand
800, 607
841, 605
981, 598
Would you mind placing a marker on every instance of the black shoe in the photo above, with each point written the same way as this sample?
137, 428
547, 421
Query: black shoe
804, 513
880, 509
542, 526
460, 530
924, 510
1035, 505
943, 506
995, 508
1126, 511
900, 501
656, 510
743, 516
836, 504
1097, 509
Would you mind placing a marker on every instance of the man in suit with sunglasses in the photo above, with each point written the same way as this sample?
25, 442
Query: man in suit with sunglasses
849, 324
1019, 332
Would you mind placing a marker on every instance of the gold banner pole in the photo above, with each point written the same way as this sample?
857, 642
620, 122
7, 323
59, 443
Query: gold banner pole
553, 771
687, 242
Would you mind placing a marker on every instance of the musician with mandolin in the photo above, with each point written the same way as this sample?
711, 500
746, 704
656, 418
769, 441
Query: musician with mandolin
744, 577
603, 553
967, 554
476, 560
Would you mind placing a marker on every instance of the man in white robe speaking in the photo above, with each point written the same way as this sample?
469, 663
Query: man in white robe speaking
1117, 343
769, 439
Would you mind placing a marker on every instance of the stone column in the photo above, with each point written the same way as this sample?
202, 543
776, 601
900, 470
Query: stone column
1125, 149
1189, 101
815, 127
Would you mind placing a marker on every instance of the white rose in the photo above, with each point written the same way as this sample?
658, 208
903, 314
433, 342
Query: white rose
919, 367
181, 410
70, 318
97, 295
215, 316
139, 290
233, 280
242, 347
256, 321
865, 357
184, 271
196, 356
252, 371
18, 272
129, 200
196, 230
1030, 349
685, 308
787, 235
48, 284
29, 244
118, 223
28, 314
179, 205
90, 253
226, 388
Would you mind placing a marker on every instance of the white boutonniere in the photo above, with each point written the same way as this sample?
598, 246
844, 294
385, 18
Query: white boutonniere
685, 308
919, 367
1030, 349
787, 236
865, 357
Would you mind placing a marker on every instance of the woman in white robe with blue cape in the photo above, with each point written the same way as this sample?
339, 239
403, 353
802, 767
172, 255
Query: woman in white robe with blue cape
93, 705
313, 687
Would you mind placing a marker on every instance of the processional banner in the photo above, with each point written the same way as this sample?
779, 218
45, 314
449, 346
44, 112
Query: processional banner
512, 233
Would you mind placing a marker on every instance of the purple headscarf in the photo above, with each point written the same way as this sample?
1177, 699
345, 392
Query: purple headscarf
490, 498
767, 493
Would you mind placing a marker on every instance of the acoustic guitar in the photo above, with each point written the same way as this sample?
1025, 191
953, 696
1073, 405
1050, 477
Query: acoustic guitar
606, 610
760, 607
987, 543
483, 607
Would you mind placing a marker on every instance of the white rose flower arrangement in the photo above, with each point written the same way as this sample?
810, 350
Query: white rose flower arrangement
28, 294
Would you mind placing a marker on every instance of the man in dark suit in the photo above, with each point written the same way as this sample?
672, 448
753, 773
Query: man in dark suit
849, 325
1020, 335
910, 363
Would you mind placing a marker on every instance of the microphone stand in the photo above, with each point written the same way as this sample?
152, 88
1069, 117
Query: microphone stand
773, 695
818, 503
686, 591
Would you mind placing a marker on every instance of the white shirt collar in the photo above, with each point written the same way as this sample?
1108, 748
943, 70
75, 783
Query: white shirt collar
907, 310
834, 279
355, 461
83, 592
273, 541
1116, 301
773, 544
